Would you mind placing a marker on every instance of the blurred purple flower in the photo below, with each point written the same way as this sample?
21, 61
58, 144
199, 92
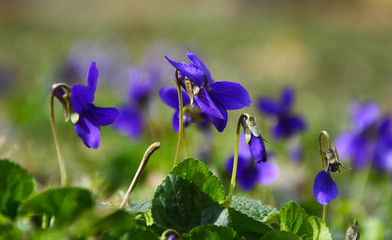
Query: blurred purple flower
249, 173
192, 114
324, 188
383, 148
214, 98
90, 117
359, 143
288, 123
142, 82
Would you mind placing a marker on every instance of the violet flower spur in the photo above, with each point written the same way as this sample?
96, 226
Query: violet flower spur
288, 123
89, 118
214, 98
249, 173
192, 114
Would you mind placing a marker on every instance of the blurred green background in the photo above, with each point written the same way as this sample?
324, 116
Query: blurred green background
330, 52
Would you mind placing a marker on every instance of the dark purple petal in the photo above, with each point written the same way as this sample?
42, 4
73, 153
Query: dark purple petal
269, 106
170, 97
287, 99
364, 116
288, 126
129, 121
176, 121
171, 236
104, 116
212, 109
249, 177
200, 65
257, 149
190, 71
92, 77
87, 129
268, 173
232, 95
80, 97
324, 188
208, 105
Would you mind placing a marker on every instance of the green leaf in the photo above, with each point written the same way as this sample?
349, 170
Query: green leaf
320, 229
8, 230
65, 203
253, 208
295, 219
247, 226
115, 220
211, 232
198, 173
181, 205
280, 236
16, 184
140, 207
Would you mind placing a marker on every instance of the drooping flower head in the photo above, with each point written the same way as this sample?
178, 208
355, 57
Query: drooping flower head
192, 114
288, 123
254, 139
88, 118
213, 98
250, 172
324, 188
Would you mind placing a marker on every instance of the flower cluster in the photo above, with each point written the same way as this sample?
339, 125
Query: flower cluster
370, 140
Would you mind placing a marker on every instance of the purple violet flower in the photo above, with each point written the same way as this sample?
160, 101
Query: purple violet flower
249, 173
288, 123
383, 148
192, 114
90, 117
142, 82
214, 98
359, 143
324, 188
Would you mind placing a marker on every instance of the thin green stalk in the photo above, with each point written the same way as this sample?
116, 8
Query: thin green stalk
185, 144
180, 119
324, 212
235, 162
324, 133
63, 172
150, 150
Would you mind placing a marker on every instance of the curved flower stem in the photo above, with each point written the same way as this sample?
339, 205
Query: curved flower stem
150, 150
324, 133
235, 162
63, 172
180, 119
163, 236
